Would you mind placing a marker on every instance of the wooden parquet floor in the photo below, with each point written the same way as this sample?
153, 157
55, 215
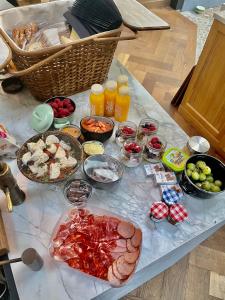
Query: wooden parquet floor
161, 60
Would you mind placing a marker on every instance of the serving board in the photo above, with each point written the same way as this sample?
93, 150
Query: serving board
138, 17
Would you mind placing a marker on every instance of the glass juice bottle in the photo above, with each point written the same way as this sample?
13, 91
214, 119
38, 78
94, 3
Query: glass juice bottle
122, 80
110, 97
122, 105
97, 100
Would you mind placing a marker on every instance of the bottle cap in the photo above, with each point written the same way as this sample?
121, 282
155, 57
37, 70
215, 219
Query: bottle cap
122, 79
97, 89
170, 197
111, 85
124, 90
159, 210
177, 213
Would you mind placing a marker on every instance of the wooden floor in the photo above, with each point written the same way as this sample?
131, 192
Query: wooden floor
161, 60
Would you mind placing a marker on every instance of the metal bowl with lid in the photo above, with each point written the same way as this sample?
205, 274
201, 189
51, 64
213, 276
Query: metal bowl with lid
198, 144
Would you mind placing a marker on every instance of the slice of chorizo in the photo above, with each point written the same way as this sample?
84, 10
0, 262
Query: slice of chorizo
131, 257
121, 243
130, 247
126, 229
116, 272
115, 255
113, 280
136, 238
123, 267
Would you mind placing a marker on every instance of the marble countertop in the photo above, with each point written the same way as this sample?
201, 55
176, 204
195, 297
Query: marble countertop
31, 224
220, 16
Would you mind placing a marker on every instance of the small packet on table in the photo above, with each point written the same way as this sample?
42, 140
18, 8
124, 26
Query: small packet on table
165, 178
152, 169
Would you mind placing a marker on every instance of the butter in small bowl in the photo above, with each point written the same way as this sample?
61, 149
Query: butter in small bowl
93, 148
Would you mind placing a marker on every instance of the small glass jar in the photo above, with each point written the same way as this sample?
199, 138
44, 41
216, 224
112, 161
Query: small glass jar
154, 149
132, 153
125, 131
77, 192
146, 128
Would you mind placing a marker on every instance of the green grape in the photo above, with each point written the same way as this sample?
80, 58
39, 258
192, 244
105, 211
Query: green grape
201, 164
189, 172
210, 179
218, 183
215, 188
195, 175
191, 166
207, 171
202, 177
206, 185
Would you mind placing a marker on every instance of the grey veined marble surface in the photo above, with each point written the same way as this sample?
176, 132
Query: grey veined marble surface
32, 223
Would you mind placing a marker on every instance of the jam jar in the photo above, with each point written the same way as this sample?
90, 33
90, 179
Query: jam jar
154, 149
146, 128
132, 153
126, 130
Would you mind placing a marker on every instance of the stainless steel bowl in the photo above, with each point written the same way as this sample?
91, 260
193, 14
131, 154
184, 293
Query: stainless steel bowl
103, 171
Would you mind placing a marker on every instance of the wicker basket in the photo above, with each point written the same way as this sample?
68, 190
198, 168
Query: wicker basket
64, 69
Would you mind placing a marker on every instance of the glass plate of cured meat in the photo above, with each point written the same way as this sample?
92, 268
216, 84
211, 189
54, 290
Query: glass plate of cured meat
98, 243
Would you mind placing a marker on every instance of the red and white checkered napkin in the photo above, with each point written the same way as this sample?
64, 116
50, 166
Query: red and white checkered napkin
159, 210
178, 212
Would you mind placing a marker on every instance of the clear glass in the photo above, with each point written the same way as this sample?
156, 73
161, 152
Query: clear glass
146, 128
77, 192
152, 154
131, 159
125, 131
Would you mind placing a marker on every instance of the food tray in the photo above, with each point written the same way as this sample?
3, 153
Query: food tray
98, 243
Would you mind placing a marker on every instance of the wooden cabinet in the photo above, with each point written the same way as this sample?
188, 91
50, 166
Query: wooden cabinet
204, 101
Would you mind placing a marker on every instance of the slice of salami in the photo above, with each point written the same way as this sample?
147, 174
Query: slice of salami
115, 255
121, 243
123, 267
116, 272
131, 248
131, 257
136, 238
112, 278
118, 249
126, 229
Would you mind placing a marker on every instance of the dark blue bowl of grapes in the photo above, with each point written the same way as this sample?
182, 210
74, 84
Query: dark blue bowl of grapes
209, 182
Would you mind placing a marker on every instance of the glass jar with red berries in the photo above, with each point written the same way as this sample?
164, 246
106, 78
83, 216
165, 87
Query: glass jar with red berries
126, 130
132, 153
154, 149
146, 128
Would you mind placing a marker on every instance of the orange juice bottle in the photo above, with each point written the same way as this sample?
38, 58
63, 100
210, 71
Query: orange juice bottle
97, 100
122, 105
110, 97
121, 81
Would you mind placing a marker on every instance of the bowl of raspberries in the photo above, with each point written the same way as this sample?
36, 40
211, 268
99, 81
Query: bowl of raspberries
63, 109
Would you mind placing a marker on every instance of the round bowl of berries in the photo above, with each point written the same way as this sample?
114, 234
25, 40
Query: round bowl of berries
63, 109
146, 128
132, 153
154, 149
126, 130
